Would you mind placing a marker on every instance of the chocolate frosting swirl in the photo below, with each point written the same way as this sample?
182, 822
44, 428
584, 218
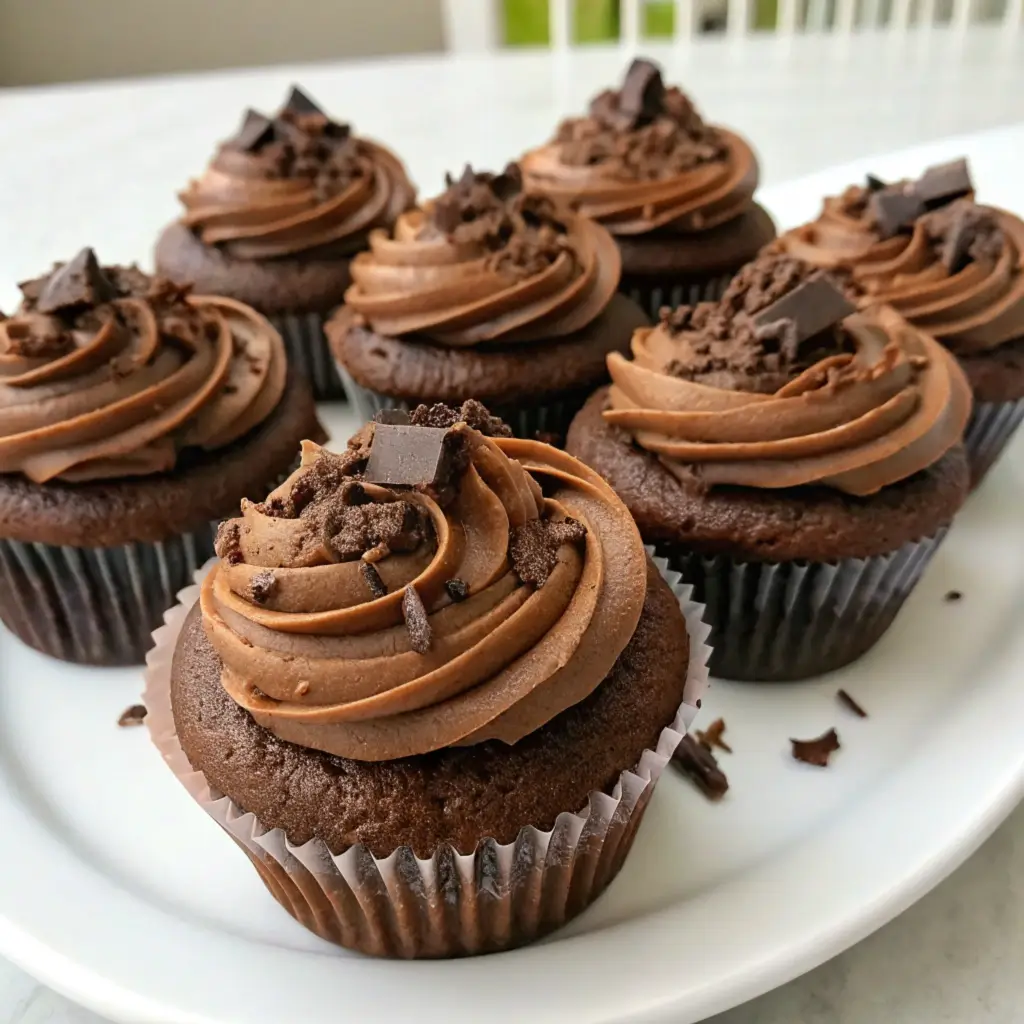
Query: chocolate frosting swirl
489, 606
295, 184
485, 261
956, 272
643, 159
724, 399
106, 373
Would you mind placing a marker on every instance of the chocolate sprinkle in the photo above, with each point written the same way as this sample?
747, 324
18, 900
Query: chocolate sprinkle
818, 751
811, 307
849, 702
416, 620
79, 282
262, 585
534, 546
369, 573
134, 715
712, 736
698, 764
458, 590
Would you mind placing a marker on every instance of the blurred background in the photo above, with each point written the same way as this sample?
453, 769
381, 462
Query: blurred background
44, 41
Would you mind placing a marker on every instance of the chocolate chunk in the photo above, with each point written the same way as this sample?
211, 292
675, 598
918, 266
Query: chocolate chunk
458, 590
642, 93
953, 595
943, 183
698, 764
299, 103
818, 751
261, 586
956, 250
80, 282
849, 702
256, 131
473, 413
893, 209
404, 456
392, 417
416, 620
875, 184
534, 546
446, 213
369, 573
134, 715
812, 307
48, 339
228, 541
712, 736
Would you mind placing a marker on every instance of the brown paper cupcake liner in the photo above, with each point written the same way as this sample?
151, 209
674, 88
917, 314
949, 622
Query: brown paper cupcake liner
991, 426
450, 904
306, 346
548, 420
775, 622
654, 293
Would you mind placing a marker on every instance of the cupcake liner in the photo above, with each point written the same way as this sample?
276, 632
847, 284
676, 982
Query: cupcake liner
306, 345
548, 420
96, 606
654, 293
450, 904
774, 622
991, 426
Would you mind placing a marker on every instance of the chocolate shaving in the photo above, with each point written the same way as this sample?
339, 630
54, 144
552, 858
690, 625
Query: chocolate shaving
849, 702
893, 209
698, 764
369, 573
262, 586
134, 715
712, 736
416, 620
943, 183
458, 590
534, 546
79, 282
811, 307
818, 751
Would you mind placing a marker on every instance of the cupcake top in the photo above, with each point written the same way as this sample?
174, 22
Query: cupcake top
106, 372
783, 383
436, 584
295, 183
952, 267
485, 261
643, 159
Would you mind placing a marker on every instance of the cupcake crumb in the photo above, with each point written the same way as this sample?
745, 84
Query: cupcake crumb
262, 586
534, 547
846, 700
458, 590
134, 715
817, 751
953, 596
699, 765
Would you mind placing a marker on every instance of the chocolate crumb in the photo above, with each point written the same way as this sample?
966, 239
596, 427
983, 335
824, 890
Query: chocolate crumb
458, 590
261, 586
952, 595
846, 699
474, 414
534, 547
227, 542
369, 573
817, 751
416, 620
134, 715
712, 736
698, 764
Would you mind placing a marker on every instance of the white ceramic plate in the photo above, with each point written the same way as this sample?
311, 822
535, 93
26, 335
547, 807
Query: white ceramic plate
120, 893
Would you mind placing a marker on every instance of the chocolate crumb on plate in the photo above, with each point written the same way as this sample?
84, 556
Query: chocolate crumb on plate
458, 590
369, 573
134, 715
953, 595
711, 737
416, 620
849, 702
817, 751
698, 764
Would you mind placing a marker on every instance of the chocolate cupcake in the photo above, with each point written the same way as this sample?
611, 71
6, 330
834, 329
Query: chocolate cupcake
275, 220
797, 461
676, 192
132, 416
430, 686
952, 267
490, 293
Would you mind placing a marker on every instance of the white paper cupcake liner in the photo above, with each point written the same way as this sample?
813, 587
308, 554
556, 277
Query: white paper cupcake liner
780, 621
306, 346
991, 426
450, 904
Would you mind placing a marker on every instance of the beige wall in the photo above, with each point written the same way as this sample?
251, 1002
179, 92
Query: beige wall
68, 40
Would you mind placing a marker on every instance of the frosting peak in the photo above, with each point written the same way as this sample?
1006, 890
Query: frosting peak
377, 619
485, 261
782, 384
106, 372
294, 183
